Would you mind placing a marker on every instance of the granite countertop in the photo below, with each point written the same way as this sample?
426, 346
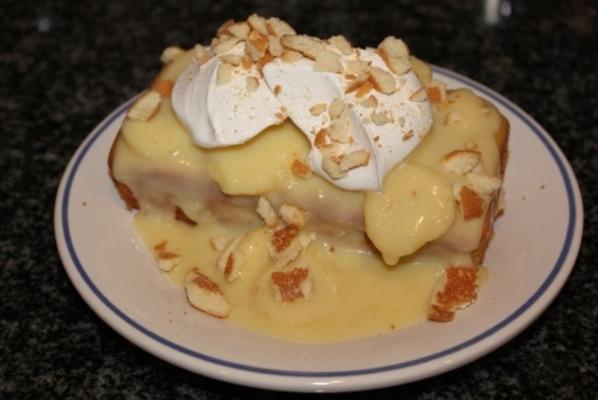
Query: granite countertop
63, 67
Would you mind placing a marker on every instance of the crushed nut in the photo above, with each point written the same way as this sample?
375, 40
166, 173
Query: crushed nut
317, 109
163, 86
278, 27
224, 74
292, 285
457, 289
231, 261
240, 30
205, 295
231, 59
337, 106
258, 24
224, 46
472, 204
379, 118
200, 54
408, 135
340, 129
328, 61
290, 56
267, 212
436, 92
287, 245
274, 46
145, 107
252, 84
306, 45
342, 44
300, 169
170, 53
359, 68
292, 215
383, 81
395, 54
256, 45
419, 95
364, 89
461, 162
370, 102
357, 158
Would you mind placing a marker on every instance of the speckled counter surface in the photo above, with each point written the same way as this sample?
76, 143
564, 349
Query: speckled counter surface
63, 67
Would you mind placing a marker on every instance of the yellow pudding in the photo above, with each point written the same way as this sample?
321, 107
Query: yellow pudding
255, 236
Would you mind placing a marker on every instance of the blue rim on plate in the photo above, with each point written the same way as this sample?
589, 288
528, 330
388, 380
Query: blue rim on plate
565, 252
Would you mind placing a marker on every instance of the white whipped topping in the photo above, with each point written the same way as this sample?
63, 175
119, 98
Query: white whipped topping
225, 115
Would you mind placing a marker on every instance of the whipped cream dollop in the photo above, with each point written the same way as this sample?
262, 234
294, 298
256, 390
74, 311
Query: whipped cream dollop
361, 117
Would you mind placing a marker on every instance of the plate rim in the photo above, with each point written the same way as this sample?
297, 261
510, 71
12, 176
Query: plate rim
304, 380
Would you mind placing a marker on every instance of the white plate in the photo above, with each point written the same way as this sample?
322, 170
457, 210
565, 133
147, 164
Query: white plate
532, 254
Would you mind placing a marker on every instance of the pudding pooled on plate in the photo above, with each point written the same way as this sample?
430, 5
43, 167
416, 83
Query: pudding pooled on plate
309, 190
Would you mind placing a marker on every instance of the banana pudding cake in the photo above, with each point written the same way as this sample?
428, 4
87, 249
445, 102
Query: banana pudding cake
309, 190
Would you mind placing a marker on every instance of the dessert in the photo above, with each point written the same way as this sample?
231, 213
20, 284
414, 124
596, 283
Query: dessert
309, 190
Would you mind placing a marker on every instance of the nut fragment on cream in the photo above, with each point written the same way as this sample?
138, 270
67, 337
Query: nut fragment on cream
236, 88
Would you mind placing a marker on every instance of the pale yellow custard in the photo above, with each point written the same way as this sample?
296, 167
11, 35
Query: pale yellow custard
375, 259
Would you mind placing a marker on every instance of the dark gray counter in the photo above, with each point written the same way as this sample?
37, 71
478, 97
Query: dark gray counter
63, 67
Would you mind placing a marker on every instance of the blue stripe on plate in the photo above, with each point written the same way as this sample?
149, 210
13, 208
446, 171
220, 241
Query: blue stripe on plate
565, 250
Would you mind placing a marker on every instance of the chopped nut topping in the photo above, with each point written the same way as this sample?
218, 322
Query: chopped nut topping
290, 56
419, 95
300, 169
395, 54
256, 45
267, 212
145, 107
258, 24
225, 46
452, 118
167, 260
328, 61
205, 295
306, 45
252, 83
472, 205
292, 215
200, 54
231, 59
223, 29
342, 44
239, 29
281, 239
370, 102
277, 89
457, 289
246, 62
287, 245
317, 109
383, 81
292, 285
321, 140
170, 53
407, 136
274, 46
359, 68
224, 74
357, 158
461, 162
340, 129
364, 89
278, 27
437, 92
231, 261
337, 106
379, 118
